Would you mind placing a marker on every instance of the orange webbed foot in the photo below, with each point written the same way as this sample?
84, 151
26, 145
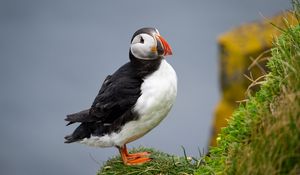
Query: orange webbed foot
138, 155
134, 158
138, 161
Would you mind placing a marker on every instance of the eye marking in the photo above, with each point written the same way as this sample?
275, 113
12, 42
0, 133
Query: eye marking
142, 40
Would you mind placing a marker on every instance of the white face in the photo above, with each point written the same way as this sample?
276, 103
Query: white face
143, 46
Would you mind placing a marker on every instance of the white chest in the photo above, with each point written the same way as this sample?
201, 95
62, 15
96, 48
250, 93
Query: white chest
159, 91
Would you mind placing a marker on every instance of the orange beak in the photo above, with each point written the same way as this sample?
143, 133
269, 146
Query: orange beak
167, 48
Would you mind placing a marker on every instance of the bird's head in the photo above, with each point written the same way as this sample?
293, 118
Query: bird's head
147, 44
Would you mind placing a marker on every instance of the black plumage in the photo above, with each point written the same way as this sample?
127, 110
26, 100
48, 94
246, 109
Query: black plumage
113, 105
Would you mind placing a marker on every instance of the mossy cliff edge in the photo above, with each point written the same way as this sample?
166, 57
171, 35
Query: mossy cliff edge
263, 135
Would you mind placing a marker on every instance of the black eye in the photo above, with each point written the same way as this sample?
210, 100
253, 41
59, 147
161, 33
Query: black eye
142, 40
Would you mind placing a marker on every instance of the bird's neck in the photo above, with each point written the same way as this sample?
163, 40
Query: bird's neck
144, 67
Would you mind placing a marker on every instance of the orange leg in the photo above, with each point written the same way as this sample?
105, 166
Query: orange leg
135, 155
133, 159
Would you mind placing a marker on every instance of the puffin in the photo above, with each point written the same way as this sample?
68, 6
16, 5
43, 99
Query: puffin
131, 101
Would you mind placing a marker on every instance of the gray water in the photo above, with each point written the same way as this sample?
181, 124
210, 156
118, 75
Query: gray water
55, 54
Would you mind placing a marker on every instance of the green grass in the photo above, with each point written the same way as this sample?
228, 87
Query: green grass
162, 163
263, 134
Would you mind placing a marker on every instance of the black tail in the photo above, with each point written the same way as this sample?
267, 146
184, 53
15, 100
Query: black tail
82, 116
89, 125
81, 132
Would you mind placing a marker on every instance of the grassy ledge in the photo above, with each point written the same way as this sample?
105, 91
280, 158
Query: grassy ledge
162, 163
263, 134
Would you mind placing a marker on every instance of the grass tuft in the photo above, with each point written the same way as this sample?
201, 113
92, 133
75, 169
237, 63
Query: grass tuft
162, 163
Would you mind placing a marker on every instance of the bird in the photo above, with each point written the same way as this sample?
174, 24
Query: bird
131, 101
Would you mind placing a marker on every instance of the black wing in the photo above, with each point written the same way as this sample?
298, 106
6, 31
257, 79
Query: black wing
117, 96
112, 106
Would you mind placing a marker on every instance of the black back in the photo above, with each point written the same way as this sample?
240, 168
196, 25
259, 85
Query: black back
113, 105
